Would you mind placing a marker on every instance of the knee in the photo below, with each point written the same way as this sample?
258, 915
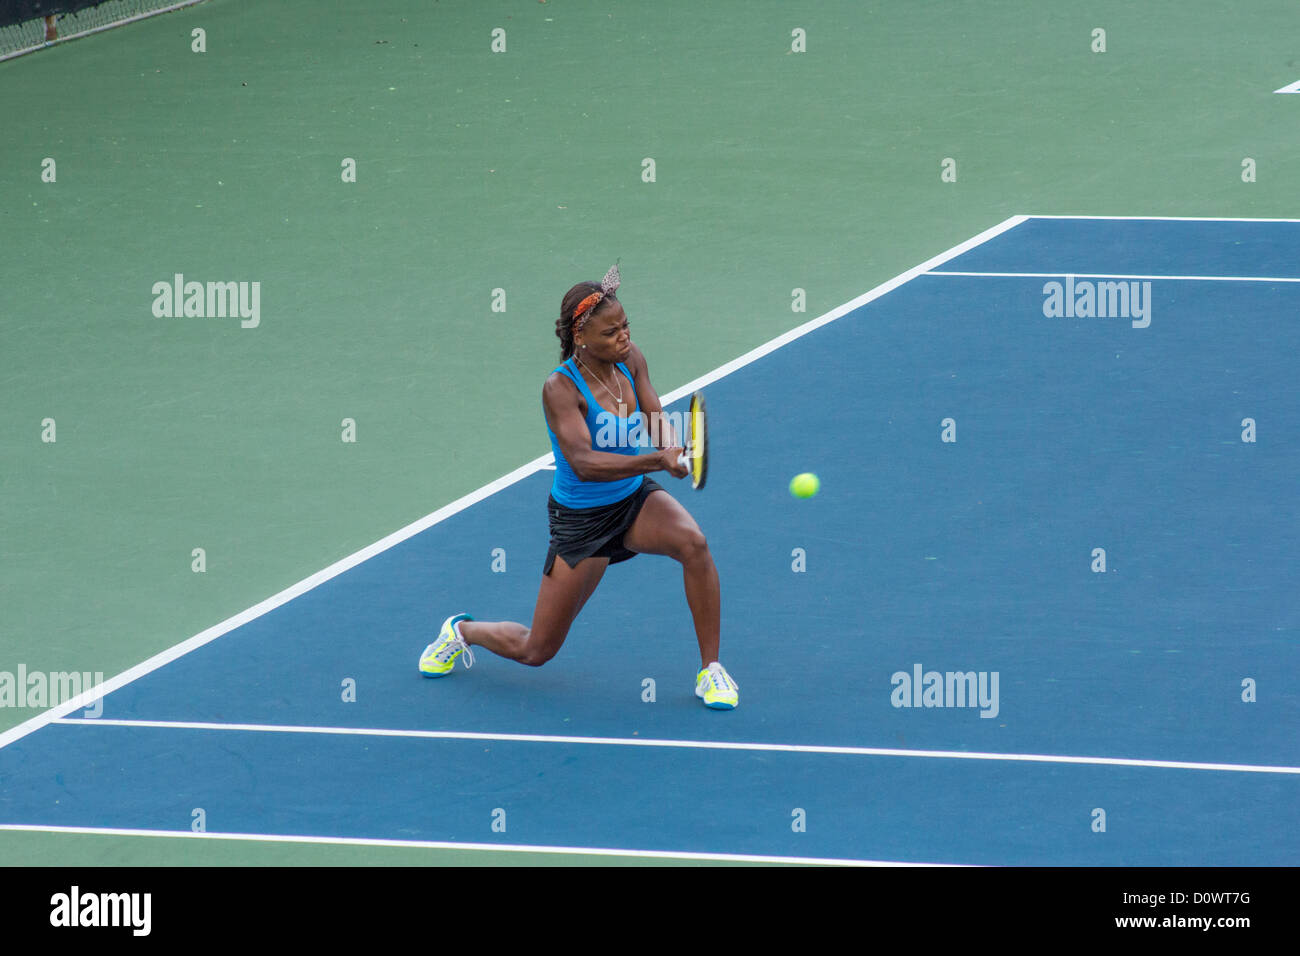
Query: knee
536, 653
694, 547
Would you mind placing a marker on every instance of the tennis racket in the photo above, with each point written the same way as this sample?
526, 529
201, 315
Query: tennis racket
697, 442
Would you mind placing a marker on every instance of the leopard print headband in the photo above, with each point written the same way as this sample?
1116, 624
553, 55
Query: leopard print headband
587, 306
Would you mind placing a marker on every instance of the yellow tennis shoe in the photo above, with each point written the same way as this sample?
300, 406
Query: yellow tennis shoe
715, 687
439, 658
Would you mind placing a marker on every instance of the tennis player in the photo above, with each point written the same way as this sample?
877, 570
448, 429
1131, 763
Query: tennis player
603, 506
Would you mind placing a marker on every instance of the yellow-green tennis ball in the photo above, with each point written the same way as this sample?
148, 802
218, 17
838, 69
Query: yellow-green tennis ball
805, 485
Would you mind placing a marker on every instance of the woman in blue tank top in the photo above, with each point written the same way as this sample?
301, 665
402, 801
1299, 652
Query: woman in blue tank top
604, 419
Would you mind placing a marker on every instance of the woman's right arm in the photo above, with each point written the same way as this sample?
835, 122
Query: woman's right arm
560, 399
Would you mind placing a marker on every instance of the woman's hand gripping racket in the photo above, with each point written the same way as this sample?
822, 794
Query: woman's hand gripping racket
696, 456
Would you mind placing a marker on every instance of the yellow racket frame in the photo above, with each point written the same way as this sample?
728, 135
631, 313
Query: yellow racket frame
698, 451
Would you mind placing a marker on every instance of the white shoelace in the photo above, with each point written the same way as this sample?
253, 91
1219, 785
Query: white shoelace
450, 648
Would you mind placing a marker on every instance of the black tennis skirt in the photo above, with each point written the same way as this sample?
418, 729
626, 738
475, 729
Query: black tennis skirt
578, 533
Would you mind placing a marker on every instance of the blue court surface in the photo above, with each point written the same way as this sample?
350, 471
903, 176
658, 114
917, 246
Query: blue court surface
1154, 693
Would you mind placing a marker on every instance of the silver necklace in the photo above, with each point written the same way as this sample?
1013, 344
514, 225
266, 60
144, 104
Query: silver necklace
619, 397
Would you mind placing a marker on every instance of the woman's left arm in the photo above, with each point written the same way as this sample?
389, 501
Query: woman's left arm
662, 433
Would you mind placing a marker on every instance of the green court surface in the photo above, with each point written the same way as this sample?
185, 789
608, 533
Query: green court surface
520, 171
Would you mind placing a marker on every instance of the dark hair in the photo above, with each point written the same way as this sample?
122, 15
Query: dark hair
564, 324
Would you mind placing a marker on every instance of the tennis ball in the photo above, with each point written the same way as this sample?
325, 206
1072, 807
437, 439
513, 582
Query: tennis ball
805, 485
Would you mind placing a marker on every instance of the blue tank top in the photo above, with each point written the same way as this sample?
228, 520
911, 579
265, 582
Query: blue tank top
609, 433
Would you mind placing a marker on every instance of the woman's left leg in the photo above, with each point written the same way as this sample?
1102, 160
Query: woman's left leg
664, 527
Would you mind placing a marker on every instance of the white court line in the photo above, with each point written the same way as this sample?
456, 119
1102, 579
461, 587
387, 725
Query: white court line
877, 292
87, 698
1168, 218
1114, 275
685, 744
441, 845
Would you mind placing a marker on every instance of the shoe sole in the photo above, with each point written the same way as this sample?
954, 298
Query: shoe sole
720, 705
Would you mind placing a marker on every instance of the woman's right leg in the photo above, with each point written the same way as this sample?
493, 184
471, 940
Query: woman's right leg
563, 593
